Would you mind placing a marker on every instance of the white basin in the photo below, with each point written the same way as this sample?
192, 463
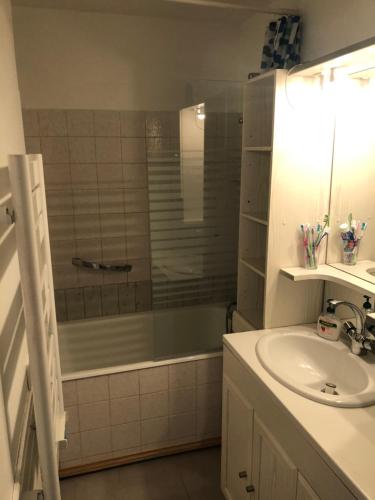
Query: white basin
304, 363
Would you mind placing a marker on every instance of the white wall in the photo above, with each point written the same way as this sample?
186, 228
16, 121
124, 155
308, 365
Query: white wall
11, 141
69, 59
329, 25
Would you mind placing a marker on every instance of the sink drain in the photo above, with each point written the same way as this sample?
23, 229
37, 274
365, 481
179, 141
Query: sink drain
330, 388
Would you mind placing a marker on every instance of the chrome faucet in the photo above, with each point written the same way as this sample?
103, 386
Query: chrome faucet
357, 334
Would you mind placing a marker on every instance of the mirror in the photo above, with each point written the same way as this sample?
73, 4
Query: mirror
353, 174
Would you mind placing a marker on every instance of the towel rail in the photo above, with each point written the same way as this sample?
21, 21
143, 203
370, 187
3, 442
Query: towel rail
98, 266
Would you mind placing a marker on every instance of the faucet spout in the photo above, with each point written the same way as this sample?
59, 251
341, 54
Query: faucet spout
356, 334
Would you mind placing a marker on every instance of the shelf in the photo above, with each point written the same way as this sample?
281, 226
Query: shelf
254, 265
329, 273
250, 297
258, 218
264, 149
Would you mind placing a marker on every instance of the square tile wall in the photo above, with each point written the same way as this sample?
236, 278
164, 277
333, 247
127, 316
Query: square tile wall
97, 198
125, 413
98, 166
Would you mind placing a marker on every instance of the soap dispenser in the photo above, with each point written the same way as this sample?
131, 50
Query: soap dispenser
367, 306
329, 326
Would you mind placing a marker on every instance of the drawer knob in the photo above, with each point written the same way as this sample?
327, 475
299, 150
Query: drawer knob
242, 474
250, 488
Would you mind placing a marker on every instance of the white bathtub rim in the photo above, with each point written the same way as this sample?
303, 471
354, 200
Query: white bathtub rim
97, 372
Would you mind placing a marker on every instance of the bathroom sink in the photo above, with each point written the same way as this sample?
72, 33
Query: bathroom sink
305, 363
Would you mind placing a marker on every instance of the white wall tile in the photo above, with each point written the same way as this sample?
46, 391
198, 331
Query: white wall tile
86, 201
138, 247
111, 201
57, 176
72, 451
133, 123
62, 251
61, 312
82, 150
98, 458
209, 395
110, 175
107, 123
84, 176
182, 401
87, 226
65, 276
124, 410
52, 123
137, 224
33, 145
74, 303
124, 384
72, 421
30, 121
89, 249
126, 436
108, 150
96, 442
80, 123
134, 150
61, 227
154, 430
92, 389
59, 202
135, 175
153, 379
114, 249
126, 298
136, 200
55, 149
154, 405
70, 393
209, 423
87, 277
182, 375
141, 270
92, 300
209, 370
182, 425
112, 225
126, 452
110, 300
143, 296
94, 415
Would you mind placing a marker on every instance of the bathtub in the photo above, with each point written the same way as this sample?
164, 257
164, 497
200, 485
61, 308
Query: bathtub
141, 385
129, 341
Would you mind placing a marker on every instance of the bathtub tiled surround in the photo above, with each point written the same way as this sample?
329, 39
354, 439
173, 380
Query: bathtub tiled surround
124, 413
97, 197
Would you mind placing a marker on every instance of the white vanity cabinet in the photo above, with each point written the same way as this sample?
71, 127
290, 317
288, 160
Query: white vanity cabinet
265, 455
274, 474
238, 444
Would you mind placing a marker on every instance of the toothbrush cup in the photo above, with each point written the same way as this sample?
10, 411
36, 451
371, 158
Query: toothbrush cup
350, 252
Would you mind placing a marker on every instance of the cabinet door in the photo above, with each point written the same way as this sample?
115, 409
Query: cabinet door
237, 444
304, 490
274, 475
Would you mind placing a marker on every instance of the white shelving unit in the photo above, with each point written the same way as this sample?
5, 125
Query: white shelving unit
285, 180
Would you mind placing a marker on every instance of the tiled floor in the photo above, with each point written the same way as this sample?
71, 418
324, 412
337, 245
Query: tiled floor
189, 476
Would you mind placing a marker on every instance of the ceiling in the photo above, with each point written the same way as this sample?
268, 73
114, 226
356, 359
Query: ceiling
188, 9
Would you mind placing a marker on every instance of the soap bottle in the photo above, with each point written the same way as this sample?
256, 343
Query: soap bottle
367, 306
329, 326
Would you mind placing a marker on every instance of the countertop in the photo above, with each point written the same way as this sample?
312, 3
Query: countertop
344, 437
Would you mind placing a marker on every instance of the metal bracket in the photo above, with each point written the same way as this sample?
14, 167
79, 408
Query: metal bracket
10, 212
